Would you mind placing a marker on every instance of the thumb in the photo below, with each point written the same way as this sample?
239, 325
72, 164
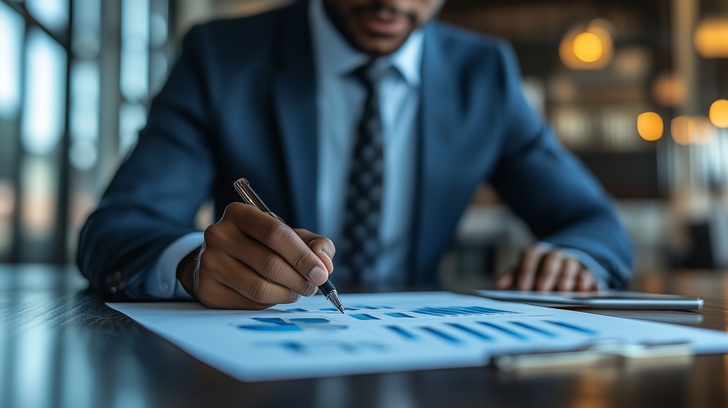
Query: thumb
505, 281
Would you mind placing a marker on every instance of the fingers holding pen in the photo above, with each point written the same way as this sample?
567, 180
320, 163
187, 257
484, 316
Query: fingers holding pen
266, 246
286, 242
316, 274
267, 266
242, 289
321, 246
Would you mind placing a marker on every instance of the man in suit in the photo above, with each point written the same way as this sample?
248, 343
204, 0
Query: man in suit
273, 98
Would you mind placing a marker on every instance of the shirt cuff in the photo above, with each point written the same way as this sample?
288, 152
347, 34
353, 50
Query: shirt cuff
162, 282
599, 272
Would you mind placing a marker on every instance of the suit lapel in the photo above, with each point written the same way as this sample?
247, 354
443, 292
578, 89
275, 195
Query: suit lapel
436, 131
294, 98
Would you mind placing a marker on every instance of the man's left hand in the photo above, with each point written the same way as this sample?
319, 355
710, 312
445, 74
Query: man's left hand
548, 269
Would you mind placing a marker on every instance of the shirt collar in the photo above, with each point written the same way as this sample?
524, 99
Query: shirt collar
334, 56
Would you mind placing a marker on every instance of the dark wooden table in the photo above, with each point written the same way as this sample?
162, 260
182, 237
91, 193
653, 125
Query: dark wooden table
61, 346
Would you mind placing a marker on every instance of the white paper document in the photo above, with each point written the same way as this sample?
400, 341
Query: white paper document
389, 332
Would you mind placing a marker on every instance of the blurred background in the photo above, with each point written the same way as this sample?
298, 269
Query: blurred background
638, 90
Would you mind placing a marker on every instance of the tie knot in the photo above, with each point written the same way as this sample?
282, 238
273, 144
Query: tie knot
371, 73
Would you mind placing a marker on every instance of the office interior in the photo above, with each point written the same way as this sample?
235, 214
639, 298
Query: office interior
638, 90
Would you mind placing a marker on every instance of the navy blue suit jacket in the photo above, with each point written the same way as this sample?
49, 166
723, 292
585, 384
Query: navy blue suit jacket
241, 102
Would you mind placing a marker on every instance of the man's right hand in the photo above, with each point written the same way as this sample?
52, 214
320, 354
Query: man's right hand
250, 260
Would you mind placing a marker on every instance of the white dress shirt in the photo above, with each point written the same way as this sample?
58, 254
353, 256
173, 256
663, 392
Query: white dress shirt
340, 102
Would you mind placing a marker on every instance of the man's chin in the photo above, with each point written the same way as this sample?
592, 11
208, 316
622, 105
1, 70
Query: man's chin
380, 46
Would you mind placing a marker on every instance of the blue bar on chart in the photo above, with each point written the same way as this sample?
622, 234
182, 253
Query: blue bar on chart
442, 335
399, 315
459, 311
573, 327
276, 324
469, 330
270, 324
327, 347
402, 332
309, 320
370, 307
535, 329
504, 330
333, 309
363, 316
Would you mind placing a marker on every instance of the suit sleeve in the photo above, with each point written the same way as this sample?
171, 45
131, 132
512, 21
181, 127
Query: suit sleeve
157, 191
546, 186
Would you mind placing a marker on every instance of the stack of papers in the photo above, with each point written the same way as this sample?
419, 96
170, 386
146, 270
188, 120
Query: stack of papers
390, 332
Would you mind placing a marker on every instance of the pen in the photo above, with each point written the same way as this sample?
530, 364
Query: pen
242, 186
599, 352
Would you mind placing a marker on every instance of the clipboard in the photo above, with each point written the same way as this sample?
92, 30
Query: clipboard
604, 299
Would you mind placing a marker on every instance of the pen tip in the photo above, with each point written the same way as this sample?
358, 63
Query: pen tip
333, 297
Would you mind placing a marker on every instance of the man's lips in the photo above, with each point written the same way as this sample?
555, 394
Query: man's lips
382, 24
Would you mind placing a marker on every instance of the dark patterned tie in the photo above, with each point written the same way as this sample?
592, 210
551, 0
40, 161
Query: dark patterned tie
360, 245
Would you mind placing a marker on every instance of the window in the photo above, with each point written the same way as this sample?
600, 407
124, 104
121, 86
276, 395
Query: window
72, 99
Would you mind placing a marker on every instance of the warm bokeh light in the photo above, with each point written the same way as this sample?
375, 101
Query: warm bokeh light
650, 126
633, 63
711, 38
692, 130
719, 113
680, 129
670, 90
587, 48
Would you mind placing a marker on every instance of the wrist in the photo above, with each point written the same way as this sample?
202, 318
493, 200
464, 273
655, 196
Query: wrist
188, 272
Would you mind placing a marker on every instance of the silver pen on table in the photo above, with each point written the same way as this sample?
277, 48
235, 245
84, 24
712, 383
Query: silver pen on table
242, 186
